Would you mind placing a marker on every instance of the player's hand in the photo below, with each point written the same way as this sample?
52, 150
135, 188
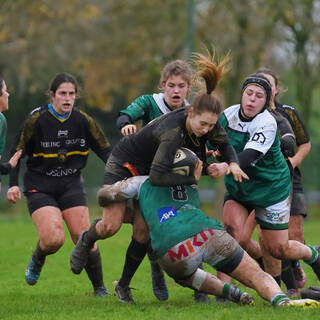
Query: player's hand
293, 163
128, 129
15, 158
216, 170
198, 170
236, 171
13, 194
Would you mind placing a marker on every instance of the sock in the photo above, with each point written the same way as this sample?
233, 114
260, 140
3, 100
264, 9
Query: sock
287, 275
94, 269
278, 279
39, 256
260, 262
231, 293
279, 299
91, 236
314, 256
135, 254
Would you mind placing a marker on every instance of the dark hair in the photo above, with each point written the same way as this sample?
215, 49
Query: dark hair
212, 74
62, 78
1, 85
261, 81
270, 73
176, 68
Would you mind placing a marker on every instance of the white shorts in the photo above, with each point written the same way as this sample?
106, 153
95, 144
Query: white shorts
274, 217
215, 247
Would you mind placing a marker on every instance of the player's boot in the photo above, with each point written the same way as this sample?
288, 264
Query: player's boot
124, 294
311, 293
33, 272
80, 254
200, 297
302, 303
299, 274
101, 291
159, 285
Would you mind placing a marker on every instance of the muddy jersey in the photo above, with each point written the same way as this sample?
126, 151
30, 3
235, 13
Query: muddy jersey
152, 148
269, 178
301, 135
59, 148
173, 212
147, 107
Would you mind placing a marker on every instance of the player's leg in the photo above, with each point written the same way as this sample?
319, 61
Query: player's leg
135, 254
77, 220
49, 223
234, 219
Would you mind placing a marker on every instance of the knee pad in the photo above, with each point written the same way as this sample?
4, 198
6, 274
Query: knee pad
199, 278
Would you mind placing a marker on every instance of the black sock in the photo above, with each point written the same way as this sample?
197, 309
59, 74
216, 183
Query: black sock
39, 256
94, 269
287, 275
91, 236
135, 254
278, 279
260, 262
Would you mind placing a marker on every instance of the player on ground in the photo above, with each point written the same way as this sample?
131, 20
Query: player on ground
182, 236
56, 139
175, 83
151, 151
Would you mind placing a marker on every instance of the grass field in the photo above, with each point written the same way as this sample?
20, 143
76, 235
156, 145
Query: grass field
61, 295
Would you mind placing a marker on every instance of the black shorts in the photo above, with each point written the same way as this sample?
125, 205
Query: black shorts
117, 170
298, 204
62, 193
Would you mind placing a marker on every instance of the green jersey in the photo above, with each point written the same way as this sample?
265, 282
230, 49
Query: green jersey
172, 215
3, 132
270, 180
147, 107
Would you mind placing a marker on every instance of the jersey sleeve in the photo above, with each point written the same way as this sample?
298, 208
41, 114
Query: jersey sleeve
160, 172
299, 129
138, 108
262, 133
218, 139
98, 142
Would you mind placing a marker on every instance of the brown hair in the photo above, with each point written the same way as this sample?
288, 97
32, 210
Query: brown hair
212, 74
176, 68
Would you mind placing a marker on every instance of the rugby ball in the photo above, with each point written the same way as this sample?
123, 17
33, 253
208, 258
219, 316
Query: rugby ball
184, 162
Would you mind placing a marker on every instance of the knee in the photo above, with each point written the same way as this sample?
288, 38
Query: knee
236, 234
141, 234
107, 229
52, 244
278, 250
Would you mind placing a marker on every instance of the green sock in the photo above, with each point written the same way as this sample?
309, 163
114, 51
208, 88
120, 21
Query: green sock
314, 256
279, 299
231, 292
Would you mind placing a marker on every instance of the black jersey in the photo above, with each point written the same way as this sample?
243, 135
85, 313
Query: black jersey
58, 148
301, 135
151, 150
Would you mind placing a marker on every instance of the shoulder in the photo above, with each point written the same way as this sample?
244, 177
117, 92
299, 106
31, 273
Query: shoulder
3, 119
232, 109
265, 120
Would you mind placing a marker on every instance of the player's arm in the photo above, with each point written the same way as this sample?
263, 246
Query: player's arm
134, 112
301, 153
161, 168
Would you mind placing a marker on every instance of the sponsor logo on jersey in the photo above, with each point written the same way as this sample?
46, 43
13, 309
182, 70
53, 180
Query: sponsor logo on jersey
241, 125
62, 133
190, 246
61, 172
81, 142
50, 144
166, 213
